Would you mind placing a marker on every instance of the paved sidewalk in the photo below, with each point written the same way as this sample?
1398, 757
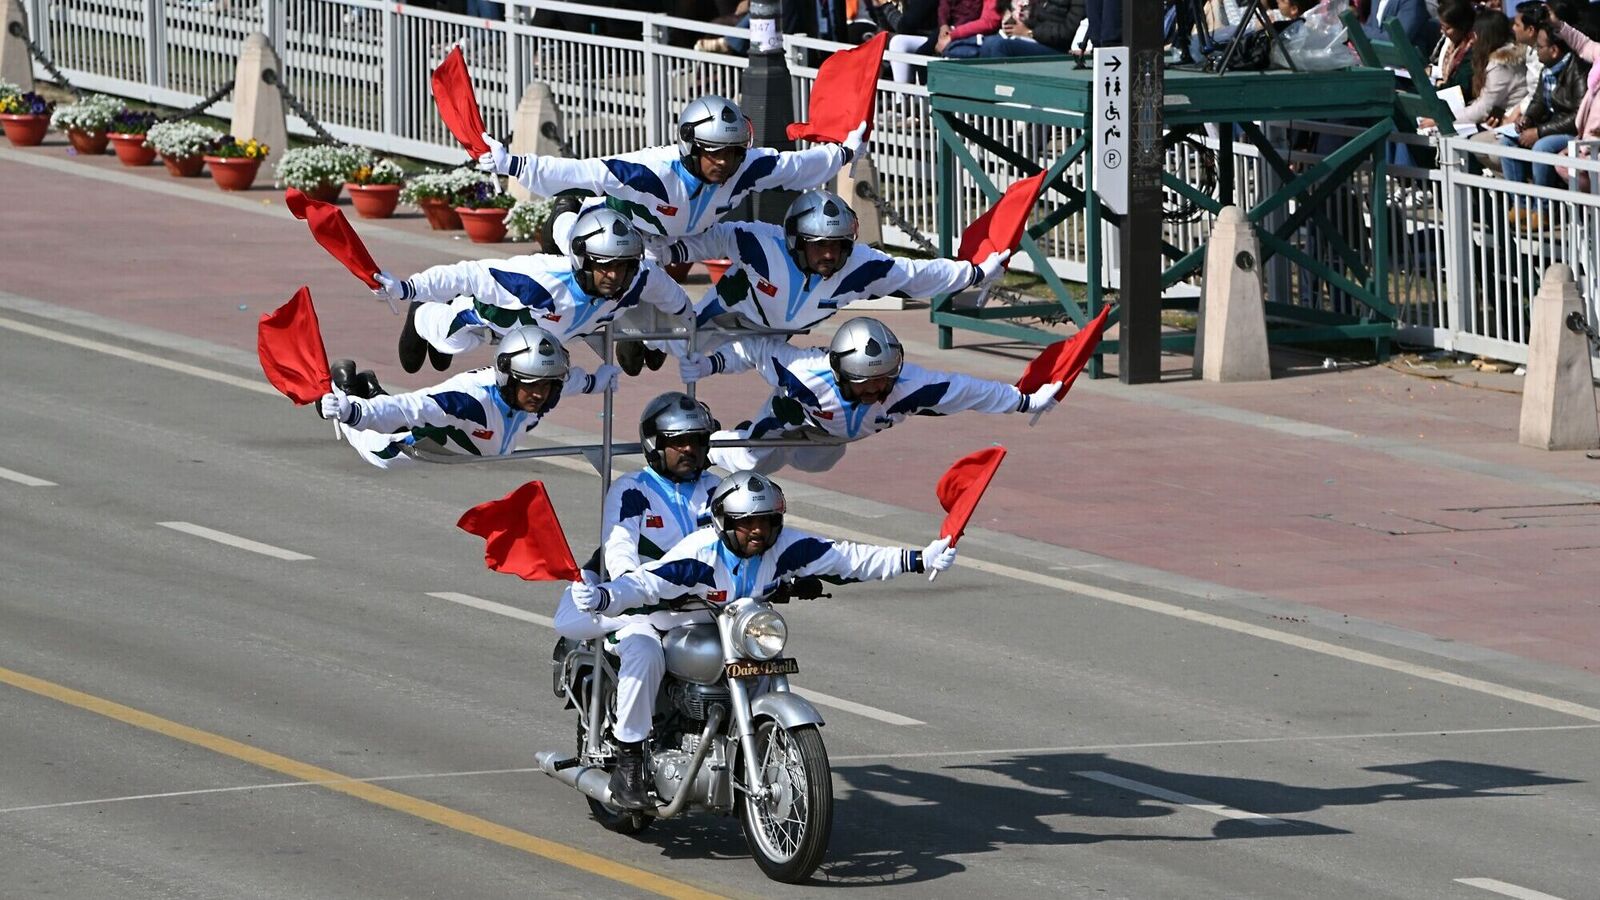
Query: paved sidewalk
1366, 490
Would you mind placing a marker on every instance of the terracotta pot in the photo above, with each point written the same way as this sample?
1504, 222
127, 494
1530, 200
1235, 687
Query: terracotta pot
441, 215
184, 166
88, 143
25, 130
374, 201
677, 271
233, 173
132, 150
716, 268
484, 226
326, 192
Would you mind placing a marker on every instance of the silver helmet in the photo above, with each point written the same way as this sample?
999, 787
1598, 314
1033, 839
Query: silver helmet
712, 122
601, 234
529, 353
741, 495
865, 348
673, 414
818, 215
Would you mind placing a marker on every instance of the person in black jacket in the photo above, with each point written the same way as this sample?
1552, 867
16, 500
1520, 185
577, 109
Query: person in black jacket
1551, 120
1036, 28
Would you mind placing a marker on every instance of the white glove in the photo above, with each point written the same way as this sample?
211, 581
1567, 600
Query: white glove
590, 598
993, 266
390, 288
497, 160
695, 367
605, 378
855, 139
938, 556
1042, 401
337, 405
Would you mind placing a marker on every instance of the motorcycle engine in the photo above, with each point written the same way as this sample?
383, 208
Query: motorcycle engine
712, 787
695, 700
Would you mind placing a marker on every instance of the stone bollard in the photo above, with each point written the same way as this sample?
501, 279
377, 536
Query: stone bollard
536, 111
857, 183
258, 106
1231, 339
16, 63
1558, 411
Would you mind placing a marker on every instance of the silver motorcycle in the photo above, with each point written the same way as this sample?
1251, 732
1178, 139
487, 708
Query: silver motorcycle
728, 733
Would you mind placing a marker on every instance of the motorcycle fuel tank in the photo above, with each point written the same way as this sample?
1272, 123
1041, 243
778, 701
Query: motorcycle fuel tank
694, 653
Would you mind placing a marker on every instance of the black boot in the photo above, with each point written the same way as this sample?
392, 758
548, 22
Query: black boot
439, 359
343, 375
413, 349
630, 356
653, 358
365, 385
627, 779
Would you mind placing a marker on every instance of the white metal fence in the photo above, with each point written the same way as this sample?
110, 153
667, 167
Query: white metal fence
1462, 271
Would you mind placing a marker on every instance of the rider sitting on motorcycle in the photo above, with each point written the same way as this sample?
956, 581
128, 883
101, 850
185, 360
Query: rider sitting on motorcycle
746, 552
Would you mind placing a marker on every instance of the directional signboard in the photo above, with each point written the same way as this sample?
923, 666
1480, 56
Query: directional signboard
1111, 127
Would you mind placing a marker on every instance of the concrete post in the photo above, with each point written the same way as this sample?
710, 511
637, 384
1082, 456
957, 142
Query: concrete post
16, 64
1231, 340
1558, 411
536, 111
258, 106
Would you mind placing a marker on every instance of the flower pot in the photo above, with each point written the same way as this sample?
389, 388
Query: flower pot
327, 192
441, 215
88, 143
183, 166
374, 201
132, 150
484, 226
25, 130
716, 268
677, 271
233, 173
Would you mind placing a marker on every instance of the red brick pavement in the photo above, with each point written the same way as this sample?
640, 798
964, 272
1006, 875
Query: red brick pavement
1335, 524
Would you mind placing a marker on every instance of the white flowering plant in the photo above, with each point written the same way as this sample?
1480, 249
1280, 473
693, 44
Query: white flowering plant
306, 168
526, 218
93, 114
449, 185
181, 139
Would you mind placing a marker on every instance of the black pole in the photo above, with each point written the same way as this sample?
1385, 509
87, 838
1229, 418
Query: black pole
768, 100
1142, 262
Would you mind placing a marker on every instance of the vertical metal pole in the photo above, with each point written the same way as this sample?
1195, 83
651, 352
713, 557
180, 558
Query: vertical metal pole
946, 215
768, 100
1094, 233
596, 698
516, 77
1142, 262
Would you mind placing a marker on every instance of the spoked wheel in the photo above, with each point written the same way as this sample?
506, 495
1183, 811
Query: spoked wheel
788, 829
622, 821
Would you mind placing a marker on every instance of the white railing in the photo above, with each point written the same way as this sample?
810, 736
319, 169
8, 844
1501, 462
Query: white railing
360, 66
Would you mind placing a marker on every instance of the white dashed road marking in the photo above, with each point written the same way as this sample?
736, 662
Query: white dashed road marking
233, 540
1506, 889
1150, 790
25, 480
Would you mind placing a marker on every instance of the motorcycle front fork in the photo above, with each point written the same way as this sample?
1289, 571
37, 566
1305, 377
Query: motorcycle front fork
594, 735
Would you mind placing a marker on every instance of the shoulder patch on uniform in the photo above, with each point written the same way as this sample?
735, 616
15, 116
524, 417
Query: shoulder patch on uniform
525, 288
919, 399
633, 503
639, 178
802, 553
462, 406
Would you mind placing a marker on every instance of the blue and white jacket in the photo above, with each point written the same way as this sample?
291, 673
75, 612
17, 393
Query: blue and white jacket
539, 289
647, 514
701, 566
767, 288
654, 189
806, 396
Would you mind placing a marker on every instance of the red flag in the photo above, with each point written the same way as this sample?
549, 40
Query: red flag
522, 536
841, 97
458, 104
289, 342
962, 486
1001, 226
1063, 360
332, 230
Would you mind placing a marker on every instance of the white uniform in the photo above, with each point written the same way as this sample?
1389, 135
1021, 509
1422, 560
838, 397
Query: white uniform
645, 515
806, 401
465, 303
701, 566
766, 288
464, 414
662, 197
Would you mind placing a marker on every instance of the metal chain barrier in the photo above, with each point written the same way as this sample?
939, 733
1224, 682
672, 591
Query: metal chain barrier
271, 77
865, 191
49, 65
1578, 324
215, 97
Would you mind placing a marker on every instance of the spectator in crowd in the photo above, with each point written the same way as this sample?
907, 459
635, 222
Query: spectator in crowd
1420, 28
1586, 126
1551, 117
1454, 49
1497, 80
1105, 22
1036, 28
1525, 26
960, 26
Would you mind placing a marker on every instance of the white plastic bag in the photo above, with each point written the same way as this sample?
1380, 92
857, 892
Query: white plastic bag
1318, 43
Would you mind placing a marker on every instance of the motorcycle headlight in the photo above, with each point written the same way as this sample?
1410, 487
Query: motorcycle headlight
763, 633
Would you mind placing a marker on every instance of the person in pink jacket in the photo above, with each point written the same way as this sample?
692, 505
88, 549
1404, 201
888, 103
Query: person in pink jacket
1588, 121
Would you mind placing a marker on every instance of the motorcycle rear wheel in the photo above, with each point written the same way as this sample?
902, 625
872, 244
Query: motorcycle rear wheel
788, 831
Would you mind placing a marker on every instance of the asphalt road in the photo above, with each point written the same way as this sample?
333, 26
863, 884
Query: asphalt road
182, 716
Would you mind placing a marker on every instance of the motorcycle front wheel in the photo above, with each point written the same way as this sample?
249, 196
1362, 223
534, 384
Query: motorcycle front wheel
788, 829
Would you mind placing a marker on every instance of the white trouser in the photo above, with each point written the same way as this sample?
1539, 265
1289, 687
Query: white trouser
377, 448
435, 320
904, 43
641, 662
767, 460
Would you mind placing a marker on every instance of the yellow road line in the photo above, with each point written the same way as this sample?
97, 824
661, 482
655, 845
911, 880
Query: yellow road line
333, 781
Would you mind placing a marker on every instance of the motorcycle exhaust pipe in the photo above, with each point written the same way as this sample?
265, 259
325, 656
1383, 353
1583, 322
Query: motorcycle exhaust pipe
591, 781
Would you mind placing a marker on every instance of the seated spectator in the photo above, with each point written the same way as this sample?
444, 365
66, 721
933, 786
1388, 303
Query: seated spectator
1586, 127
1456, 19
1525, 26
1551, 118
1497, 82
1036, 28
961, 26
